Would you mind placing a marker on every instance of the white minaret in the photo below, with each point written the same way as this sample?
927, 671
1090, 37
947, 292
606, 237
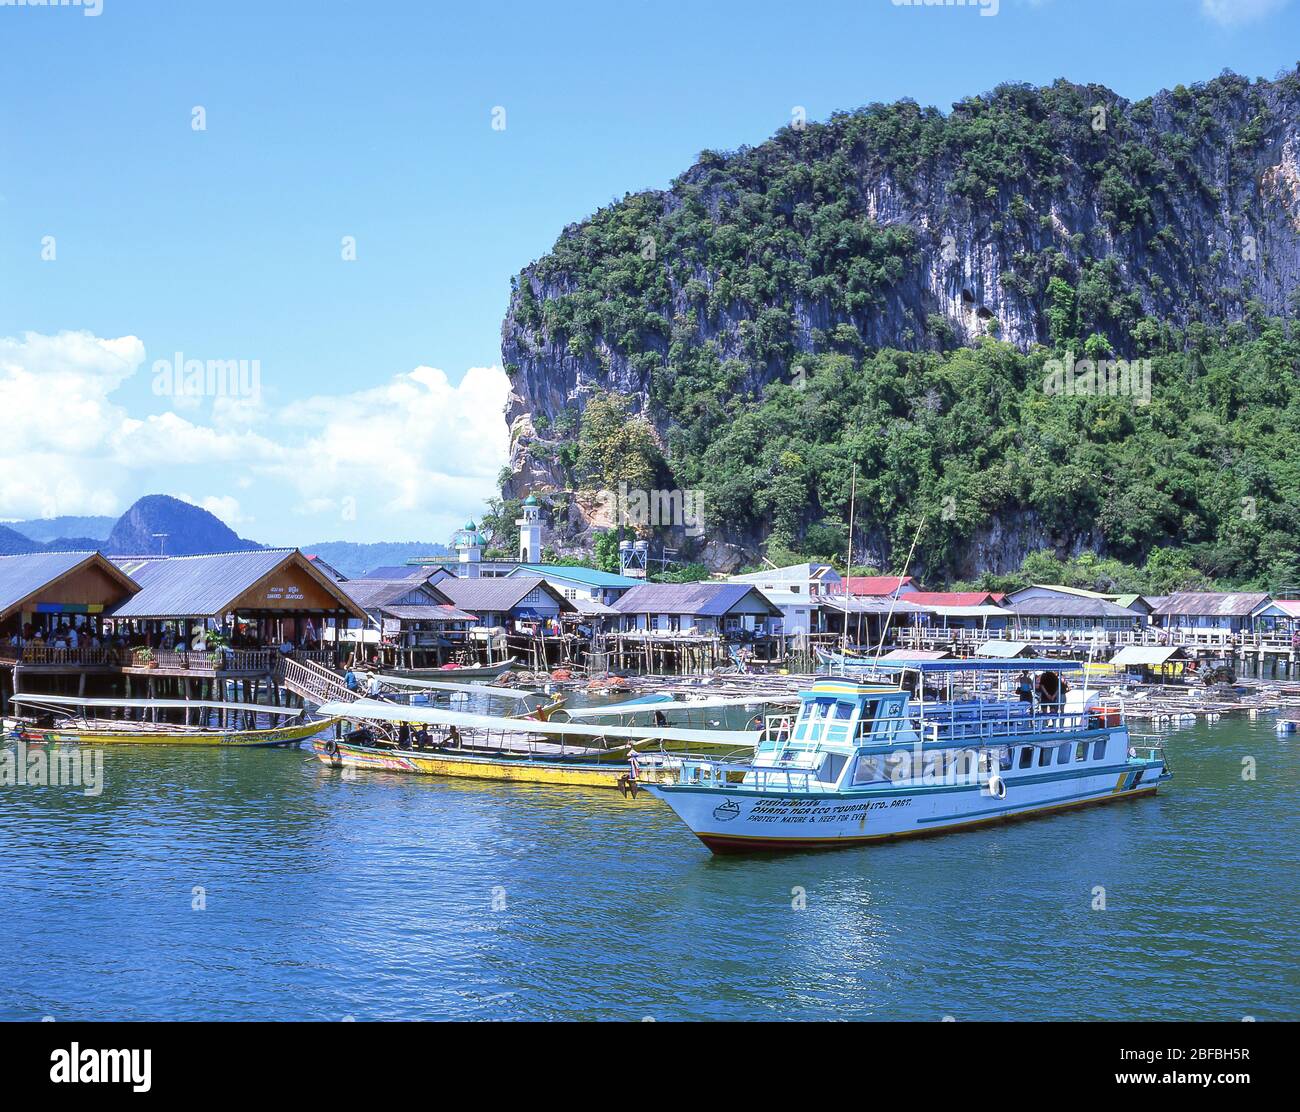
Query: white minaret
530, 532
469, 545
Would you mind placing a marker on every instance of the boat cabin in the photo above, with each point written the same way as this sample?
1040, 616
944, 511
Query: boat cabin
848, 735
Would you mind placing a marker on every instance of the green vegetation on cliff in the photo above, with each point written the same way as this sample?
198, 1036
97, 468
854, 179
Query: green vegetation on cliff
789, 310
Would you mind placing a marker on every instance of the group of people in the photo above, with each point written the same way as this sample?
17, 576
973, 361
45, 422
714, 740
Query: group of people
1048, 690
63, 636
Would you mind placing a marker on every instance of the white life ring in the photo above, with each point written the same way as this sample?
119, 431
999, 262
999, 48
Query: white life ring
997, 787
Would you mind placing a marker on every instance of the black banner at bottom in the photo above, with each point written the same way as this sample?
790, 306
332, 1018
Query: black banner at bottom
337, 1060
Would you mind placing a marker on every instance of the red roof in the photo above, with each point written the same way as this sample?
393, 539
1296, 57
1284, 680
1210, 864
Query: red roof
1288, 606
950, 598
878, 585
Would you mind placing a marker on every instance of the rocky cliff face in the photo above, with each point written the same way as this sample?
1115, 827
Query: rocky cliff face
1031, 215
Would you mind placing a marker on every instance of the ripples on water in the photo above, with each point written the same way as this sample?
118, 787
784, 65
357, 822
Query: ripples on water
374, 897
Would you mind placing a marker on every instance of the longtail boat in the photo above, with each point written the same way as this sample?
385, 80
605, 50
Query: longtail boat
457, 672
72, 723
871, 761
492, 747
535, 704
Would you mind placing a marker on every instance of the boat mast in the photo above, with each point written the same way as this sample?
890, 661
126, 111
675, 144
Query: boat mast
848, 571
893, 601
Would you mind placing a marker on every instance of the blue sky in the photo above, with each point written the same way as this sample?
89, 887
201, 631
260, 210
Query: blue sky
333, 119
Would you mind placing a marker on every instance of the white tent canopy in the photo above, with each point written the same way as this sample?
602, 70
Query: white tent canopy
370, 710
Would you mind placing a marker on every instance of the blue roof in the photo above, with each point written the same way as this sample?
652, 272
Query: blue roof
590, 576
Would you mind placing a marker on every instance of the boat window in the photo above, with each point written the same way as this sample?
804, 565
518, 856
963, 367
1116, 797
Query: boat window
832, 767
1044, 757
1063, 754
868, 769
964, 762
1081, 751
1004, 758
898, 766
1098, 749
844, 710
1026, 757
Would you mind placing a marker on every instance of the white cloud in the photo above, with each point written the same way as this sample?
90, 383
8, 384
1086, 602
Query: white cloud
404, 452
1230, 13
224, 507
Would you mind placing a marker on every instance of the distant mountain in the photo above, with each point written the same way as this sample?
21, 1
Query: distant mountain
354, 560
75, 544
60, 529
13, 543
190, 530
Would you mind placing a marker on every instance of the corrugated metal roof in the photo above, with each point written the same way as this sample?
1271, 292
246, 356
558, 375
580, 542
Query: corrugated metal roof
499, 594
201, 586
1147, 654
434, 613
1003, 650
1069, 606
370, 593
22, 576
876, 584
589, 607
398, 571
948, 598
868, 605
590, 576
697, 600
791, 573
1218, 604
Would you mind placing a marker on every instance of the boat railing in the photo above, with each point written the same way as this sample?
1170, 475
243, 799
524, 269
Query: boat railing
699, 772
986, 722
1147, 748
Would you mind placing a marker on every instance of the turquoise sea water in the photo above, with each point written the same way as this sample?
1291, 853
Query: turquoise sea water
390, 897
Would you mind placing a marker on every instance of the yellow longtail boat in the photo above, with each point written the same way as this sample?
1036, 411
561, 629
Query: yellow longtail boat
76, 727
491, 747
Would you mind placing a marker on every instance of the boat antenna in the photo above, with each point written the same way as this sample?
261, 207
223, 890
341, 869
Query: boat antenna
893, 600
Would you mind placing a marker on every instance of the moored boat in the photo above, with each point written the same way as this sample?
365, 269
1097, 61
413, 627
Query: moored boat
457, 672
868, 761
69, 723
493, 747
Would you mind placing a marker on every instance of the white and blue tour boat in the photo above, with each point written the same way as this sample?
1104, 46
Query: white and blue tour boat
876, 758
